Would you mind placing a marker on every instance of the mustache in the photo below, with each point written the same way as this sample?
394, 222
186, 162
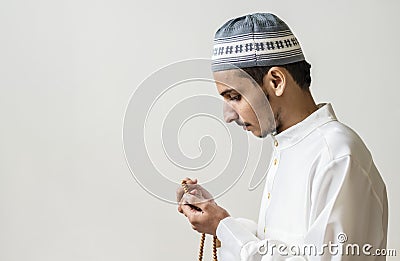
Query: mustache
241, 123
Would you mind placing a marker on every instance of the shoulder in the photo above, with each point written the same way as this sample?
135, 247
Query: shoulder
342, 141
351, 163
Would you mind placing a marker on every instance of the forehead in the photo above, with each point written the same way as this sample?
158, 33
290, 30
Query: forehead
235, 79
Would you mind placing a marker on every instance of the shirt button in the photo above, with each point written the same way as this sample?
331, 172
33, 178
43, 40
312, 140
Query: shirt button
265, 229
275, 162
276, 143
269, 195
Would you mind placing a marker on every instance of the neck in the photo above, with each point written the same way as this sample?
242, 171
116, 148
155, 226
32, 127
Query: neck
296, 110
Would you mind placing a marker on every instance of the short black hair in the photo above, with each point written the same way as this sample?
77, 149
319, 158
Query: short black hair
300, 71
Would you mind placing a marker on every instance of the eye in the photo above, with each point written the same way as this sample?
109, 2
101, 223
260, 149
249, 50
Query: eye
235, 97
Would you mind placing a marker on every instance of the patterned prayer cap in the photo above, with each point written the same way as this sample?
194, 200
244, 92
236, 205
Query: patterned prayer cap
259, 39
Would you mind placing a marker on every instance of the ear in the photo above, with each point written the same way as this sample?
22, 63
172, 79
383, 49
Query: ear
276, 80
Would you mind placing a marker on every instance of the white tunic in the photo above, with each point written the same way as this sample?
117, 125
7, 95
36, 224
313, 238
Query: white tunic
322, 188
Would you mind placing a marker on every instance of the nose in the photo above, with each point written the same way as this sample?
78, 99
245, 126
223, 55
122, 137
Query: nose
229, 113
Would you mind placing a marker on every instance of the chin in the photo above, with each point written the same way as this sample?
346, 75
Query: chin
262, 134
257, 133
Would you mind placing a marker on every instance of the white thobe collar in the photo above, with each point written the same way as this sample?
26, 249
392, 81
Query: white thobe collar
299, 131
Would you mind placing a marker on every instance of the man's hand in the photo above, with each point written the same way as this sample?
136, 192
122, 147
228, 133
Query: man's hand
180, 192
206, 220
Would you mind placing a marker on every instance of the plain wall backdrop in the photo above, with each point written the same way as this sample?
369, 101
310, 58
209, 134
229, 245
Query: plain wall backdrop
67, 70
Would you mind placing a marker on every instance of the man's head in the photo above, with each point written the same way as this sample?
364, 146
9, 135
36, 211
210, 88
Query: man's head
259, 50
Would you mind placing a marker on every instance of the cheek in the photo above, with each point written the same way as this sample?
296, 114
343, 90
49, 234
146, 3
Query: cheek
246, 112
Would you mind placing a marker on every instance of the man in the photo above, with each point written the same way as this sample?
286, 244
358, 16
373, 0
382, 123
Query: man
322, 189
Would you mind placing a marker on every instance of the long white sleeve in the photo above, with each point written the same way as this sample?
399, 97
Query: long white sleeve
345, 198
350, 200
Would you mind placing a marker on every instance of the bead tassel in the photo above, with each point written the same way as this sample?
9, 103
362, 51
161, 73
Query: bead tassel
215, 248
202, 239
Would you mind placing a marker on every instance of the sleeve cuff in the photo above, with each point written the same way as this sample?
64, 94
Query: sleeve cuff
235, 233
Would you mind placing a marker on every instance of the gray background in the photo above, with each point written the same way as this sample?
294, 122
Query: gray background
67, 70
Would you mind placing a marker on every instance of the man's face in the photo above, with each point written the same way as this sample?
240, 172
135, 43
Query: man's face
244, 102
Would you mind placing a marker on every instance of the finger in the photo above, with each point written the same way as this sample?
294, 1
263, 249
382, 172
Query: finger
190, 181
180, 191
196, 199
204, 205
186, 210
190, 213
179, 194
180, 209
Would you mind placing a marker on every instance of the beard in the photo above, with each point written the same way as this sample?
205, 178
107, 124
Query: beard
274, 126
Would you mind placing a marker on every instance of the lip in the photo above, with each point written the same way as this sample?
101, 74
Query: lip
244, 125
